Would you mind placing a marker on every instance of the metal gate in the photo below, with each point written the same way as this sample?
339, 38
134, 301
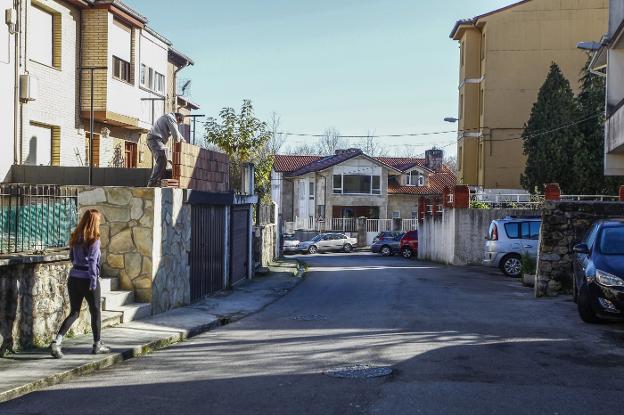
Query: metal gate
239, 243
207, 250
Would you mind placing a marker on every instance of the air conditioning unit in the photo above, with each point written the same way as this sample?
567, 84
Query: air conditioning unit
29, 88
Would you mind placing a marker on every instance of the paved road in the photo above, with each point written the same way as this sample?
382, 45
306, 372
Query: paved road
460, 341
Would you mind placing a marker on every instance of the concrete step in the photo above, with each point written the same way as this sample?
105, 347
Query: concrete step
111, 318
133, 311
109, 284
113, 299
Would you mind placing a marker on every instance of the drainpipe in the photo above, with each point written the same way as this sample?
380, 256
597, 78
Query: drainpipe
24, 32
16, 100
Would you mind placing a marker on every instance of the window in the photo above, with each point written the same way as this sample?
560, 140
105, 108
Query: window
591, 236
376, 185
45, 43
415, 178
337, 183
461, 53
159, 81
396, 215
612, 241
414, 214
150, 78
535, 229
143, 74
483, 47
130, 161
121, 69
311, 192
512, 230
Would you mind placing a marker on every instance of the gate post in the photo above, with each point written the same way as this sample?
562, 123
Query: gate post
361, 231
552, 192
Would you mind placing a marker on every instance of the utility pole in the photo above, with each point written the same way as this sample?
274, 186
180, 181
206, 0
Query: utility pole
92, 70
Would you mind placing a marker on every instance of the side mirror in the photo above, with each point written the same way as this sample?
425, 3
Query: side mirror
581, 249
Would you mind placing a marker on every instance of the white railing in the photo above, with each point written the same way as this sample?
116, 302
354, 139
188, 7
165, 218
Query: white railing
507, 200
409, 225
378, 225
601, 198
344, 224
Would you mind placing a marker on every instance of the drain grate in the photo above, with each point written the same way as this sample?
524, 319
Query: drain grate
310, 317
359, 371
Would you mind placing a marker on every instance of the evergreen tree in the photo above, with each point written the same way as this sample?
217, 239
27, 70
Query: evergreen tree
551, 149
589, 159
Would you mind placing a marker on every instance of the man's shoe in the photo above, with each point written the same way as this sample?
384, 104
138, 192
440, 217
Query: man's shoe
55, 350
99, 348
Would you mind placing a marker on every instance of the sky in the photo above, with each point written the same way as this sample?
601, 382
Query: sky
359, 66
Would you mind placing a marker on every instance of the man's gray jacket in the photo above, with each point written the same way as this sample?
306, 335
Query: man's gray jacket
166, 126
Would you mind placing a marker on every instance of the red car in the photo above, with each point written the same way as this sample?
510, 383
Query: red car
409, 244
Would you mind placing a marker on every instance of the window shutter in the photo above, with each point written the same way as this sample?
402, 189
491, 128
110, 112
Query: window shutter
55, 159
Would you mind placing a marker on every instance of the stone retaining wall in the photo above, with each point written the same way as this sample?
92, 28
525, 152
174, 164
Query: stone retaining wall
34, 301
563, 225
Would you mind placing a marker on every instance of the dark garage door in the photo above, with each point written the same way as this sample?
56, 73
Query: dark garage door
207, 240
239, 243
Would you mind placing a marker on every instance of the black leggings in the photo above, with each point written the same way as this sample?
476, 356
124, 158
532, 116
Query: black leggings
78, 290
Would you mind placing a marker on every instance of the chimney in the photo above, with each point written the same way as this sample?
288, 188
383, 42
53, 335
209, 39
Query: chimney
434, 159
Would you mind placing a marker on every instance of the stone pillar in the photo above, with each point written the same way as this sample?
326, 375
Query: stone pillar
552, 192
622, 193
361, 231
461, 197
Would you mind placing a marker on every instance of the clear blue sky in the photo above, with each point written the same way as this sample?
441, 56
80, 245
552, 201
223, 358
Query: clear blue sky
386, 66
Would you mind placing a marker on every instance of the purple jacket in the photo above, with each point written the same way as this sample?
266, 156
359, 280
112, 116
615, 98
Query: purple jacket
86, 262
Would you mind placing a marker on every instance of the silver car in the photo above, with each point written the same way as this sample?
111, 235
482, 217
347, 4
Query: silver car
326, 242
508, 239
290, 244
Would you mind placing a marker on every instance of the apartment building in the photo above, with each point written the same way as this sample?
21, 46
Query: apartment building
68, 48
505, 56
609, 61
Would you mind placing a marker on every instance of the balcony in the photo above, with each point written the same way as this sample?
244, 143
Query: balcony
614, 138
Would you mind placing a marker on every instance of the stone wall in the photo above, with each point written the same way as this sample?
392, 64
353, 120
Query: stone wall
265, 240
126, 234
172, 246
34, 301
563, 225
457, 236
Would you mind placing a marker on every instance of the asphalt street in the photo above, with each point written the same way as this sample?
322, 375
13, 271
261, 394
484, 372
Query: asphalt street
458, 340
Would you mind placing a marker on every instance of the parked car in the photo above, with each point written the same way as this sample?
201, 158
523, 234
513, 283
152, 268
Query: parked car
508, 239
326, 242
386, 235
387, 246
409, 244
598, 282
290, 244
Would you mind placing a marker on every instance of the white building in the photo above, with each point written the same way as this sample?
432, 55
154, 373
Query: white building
7, 90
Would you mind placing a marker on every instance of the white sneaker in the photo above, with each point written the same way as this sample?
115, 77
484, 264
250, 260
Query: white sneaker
99, 348
55, 350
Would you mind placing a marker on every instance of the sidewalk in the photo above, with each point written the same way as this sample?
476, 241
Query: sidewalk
29, 371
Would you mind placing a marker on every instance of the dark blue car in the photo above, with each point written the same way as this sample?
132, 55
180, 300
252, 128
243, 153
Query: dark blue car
598, 283
388, 246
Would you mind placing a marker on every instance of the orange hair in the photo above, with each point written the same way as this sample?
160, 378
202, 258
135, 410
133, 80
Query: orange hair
88, 230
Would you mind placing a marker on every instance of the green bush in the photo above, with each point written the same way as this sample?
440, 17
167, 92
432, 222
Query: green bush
529, 265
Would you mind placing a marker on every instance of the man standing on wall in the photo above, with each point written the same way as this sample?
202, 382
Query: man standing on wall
157, 139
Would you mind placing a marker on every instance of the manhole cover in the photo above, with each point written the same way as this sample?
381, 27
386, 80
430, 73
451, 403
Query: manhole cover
310, 317
359, 371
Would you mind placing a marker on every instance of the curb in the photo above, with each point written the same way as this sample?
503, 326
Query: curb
137, 351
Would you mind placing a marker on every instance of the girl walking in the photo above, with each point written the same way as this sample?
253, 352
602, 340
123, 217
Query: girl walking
83, 281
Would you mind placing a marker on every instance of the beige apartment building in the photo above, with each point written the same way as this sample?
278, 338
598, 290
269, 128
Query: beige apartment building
505, 56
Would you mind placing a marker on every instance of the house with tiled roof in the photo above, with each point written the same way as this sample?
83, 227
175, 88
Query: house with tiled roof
350, 184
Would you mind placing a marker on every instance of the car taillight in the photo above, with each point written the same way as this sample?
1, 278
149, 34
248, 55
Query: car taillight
495, 233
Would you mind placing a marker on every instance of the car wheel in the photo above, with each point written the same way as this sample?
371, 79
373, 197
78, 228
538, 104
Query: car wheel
407, 252
511, 265
386, 251
312, 249
347, 248
584, 307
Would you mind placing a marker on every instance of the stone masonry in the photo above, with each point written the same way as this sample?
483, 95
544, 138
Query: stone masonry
34, 301
563, 225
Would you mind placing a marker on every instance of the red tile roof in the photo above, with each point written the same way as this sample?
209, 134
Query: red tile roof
284, 163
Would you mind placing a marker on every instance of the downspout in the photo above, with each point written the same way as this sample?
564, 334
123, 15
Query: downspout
16, 100
21, 104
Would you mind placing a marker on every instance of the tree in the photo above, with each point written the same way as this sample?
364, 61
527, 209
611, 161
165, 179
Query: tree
451, 162
278, 138
370, 146
589, 159
550, 137
243, 138
330, 142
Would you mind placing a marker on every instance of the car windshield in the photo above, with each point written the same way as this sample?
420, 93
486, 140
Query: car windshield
612, 241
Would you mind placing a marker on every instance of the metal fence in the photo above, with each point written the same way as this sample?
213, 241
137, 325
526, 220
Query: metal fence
34, 218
